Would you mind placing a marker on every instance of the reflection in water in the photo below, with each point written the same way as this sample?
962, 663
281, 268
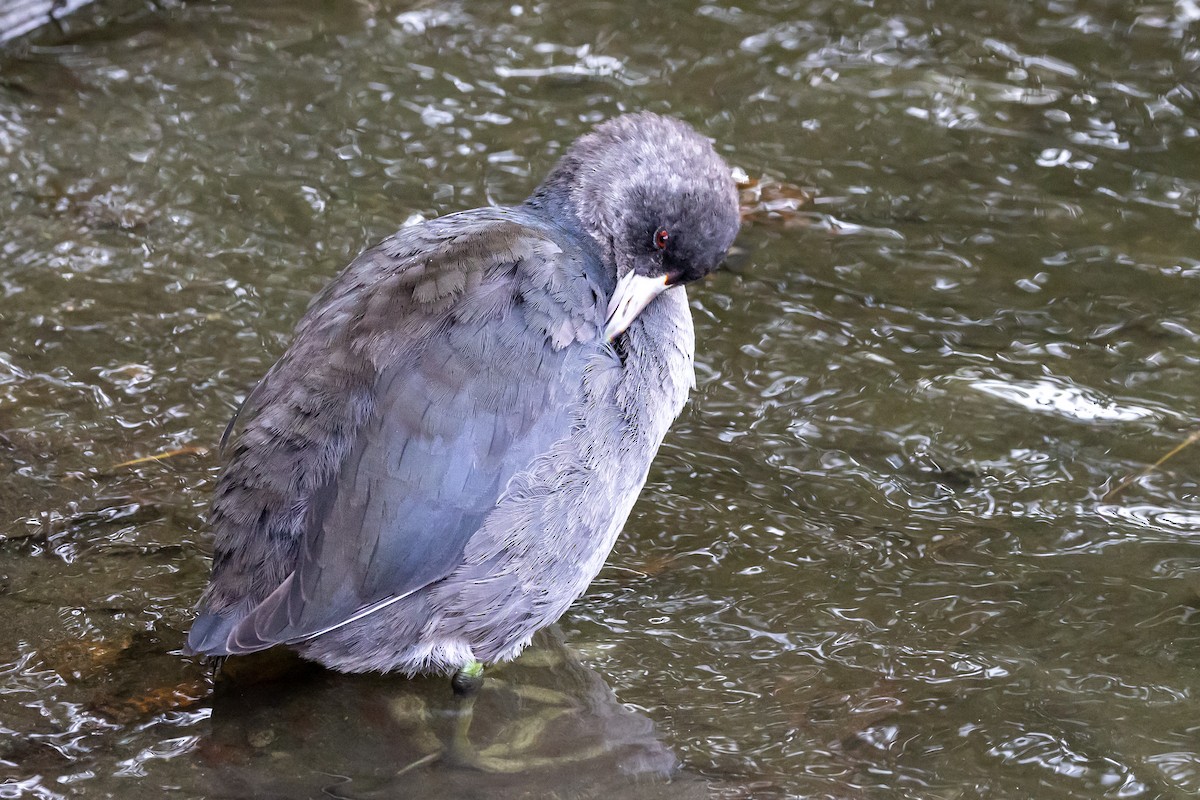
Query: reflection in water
544, 723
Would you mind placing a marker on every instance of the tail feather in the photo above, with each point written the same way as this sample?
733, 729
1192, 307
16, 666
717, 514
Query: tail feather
209, 635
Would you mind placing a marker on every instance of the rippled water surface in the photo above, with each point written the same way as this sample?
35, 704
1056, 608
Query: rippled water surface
880, 555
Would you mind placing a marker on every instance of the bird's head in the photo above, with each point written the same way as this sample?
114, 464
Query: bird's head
659, 201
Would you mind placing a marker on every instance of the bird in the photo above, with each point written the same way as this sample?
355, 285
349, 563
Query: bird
440, 463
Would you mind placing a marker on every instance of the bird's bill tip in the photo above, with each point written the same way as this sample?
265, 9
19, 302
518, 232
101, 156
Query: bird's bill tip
633, 293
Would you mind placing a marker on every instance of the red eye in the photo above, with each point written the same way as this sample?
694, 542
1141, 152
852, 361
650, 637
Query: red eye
660, 239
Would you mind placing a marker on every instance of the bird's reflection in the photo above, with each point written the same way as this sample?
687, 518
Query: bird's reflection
543, 724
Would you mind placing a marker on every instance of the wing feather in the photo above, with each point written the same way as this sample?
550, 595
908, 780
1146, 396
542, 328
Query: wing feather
431, 372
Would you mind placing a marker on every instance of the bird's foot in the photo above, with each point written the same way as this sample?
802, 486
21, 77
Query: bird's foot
467, 682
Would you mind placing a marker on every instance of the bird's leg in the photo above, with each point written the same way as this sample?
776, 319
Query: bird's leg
468, 680
466, 684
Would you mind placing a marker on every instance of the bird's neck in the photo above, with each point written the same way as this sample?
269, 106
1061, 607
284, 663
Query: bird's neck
553, 198
557, 201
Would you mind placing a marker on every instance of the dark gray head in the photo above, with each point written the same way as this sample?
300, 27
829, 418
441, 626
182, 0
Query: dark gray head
657, 199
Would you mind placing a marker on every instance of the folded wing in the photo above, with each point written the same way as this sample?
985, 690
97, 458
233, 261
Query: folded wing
432, 371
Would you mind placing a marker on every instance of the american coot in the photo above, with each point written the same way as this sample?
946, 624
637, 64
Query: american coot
440, 463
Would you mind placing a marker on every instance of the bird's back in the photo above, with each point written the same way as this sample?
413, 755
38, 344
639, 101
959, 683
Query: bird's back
411, 440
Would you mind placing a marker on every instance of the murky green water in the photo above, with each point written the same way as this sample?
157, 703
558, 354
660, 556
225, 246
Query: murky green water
875, 558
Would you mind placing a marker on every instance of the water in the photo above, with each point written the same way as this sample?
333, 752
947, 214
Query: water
875, 558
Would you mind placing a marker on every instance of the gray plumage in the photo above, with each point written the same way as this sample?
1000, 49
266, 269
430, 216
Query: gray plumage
441, 462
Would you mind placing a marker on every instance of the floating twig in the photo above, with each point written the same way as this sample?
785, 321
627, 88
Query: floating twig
183, 451
1192, 438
